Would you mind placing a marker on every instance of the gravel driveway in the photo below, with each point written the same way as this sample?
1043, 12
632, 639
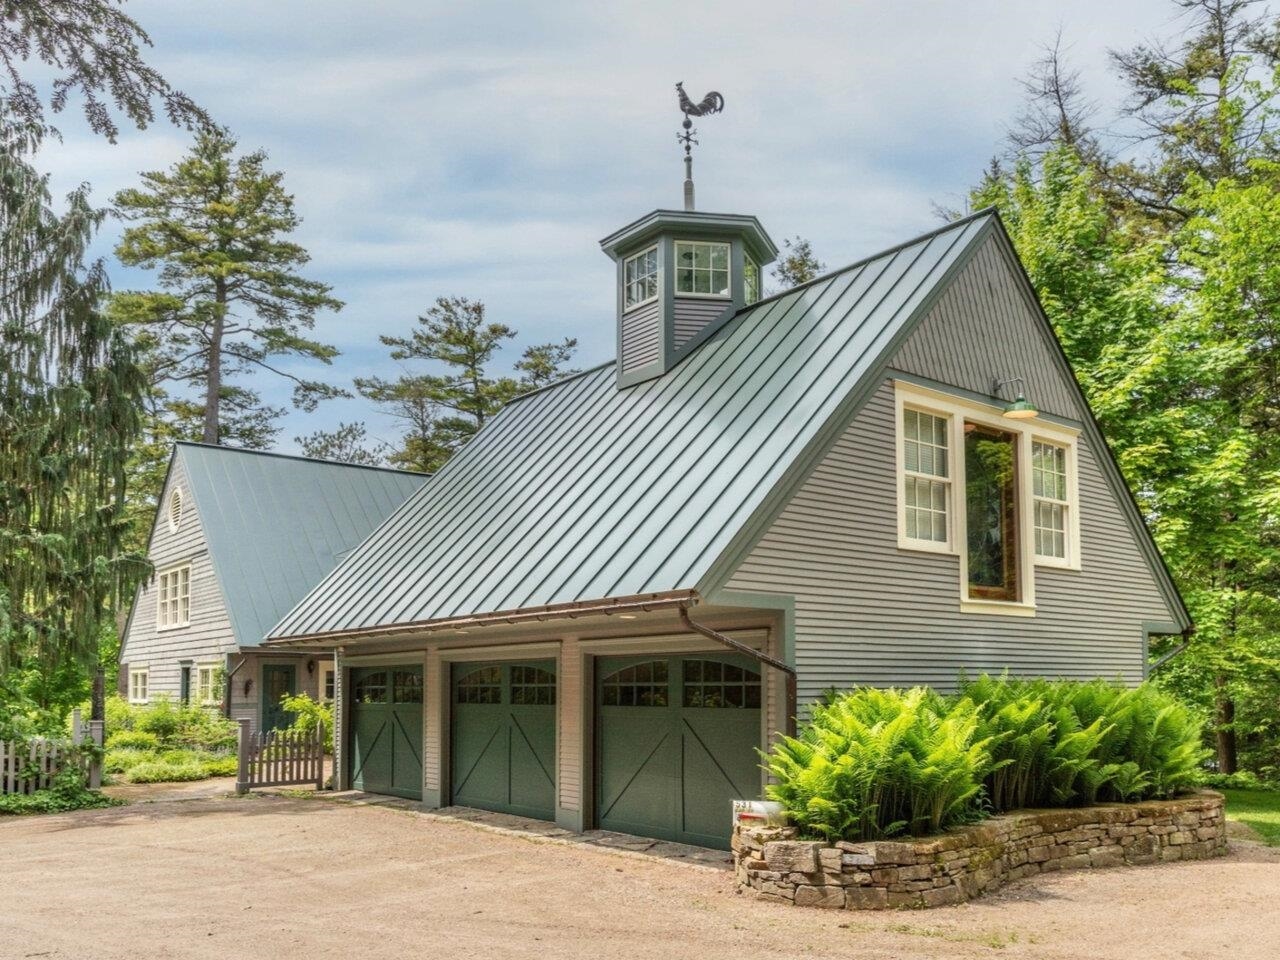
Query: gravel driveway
269, 877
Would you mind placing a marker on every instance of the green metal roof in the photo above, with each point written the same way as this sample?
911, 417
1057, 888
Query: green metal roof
275, 525
582, 491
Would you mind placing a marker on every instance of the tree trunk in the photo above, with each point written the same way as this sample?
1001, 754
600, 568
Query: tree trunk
213, 384
1224, 722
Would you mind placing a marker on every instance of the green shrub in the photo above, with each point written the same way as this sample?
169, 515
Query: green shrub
119, 713
118, 760
160, 771
159, 716
875, 763
307, 713
67, 792
1241, 780
133, 740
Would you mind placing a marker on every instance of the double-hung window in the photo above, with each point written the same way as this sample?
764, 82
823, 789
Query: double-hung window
640, 278
926, 479
208, 684
1052, 507
702, 269
999, 494
173, 598
138, 686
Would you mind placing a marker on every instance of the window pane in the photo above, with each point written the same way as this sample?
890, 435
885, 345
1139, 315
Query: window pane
992, 513
408, 686
720, 257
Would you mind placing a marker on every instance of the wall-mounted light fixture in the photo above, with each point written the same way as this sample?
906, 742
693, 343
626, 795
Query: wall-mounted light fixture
1019, 408
311, 666
248, 685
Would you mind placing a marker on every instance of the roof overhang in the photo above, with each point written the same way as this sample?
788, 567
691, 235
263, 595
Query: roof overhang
691, 223
562, 611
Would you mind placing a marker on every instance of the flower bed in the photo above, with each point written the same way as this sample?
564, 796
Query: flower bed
967, 861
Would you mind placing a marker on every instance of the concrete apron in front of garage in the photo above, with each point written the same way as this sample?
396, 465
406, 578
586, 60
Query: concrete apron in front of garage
542, 830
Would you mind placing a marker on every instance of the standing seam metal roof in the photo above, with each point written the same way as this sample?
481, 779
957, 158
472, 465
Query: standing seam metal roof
275, 525
582, 491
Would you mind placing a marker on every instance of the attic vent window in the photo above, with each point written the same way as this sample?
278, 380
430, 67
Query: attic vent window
750, 280
640, 278
175, 509
702, 269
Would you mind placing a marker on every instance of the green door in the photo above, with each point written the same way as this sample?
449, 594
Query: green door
278, 681
386, 730
676, 741
504, 737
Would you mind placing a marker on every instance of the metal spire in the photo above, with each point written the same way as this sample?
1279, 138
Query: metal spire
711, 103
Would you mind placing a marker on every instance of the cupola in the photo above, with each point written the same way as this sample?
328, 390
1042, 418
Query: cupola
681, 274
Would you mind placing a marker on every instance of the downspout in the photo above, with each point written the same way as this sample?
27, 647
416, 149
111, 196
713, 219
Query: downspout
1186, 642
226, 687
758, 655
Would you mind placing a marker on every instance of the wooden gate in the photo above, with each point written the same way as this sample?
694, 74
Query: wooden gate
279, 758
28, 766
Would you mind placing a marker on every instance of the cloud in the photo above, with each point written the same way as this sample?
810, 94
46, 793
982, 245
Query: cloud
482, 149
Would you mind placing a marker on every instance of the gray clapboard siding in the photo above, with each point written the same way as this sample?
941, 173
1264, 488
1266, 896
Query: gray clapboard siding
981, 329
691, 314
640, 335
209, 636
867, 612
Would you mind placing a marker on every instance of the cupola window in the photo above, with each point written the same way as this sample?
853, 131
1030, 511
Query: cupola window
640, 277
750, 280
702, 269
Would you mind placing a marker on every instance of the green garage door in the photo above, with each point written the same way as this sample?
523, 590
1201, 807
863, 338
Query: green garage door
386, 730
676, 742
504, 737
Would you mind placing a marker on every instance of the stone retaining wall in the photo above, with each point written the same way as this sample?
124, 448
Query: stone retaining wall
967, 861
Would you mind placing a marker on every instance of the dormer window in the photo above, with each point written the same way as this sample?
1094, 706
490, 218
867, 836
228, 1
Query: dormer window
750, 280
640, 278
702, 269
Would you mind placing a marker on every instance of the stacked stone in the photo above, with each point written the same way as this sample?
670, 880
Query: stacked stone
967, 861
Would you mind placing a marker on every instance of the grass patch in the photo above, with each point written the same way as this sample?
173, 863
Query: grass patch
1257, 809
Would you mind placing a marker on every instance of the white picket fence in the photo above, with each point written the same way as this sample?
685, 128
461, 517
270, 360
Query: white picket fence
30, 765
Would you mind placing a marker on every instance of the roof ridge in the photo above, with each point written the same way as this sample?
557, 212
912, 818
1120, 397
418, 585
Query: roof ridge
888, 251
297, 457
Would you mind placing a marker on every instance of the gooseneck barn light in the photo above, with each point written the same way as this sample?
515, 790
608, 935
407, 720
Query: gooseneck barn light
1019, 408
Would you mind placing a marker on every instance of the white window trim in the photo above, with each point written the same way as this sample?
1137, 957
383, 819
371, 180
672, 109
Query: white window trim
325, 671
214, 700
168, 571
749, 261
1072, 527
175, 497
145, 674
657, 292
958, 410
675, 278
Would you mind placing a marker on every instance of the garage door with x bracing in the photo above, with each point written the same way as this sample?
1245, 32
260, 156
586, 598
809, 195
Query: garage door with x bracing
386, 730
504, 737
676, 743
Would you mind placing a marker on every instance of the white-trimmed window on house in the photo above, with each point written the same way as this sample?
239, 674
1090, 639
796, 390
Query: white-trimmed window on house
702, 268
209, 684
173, 598
750, 280
926, 478
138, 686
327, 687
640, 278
1051, 503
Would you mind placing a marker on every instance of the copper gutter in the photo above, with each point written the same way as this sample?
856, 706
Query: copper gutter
758, 655
561, 611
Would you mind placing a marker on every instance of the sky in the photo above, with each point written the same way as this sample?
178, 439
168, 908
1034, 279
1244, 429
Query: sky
483, 149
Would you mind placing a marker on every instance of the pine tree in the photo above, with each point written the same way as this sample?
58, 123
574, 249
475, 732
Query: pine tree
444, 408
231, 300
798, 264
70, 402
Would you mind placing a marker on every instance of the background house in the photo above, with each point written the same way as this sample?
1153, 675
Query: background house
239, 537
615, 594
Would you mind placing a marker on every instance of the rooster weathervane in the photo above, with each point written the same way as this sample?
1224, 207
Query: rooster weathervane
713, 102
